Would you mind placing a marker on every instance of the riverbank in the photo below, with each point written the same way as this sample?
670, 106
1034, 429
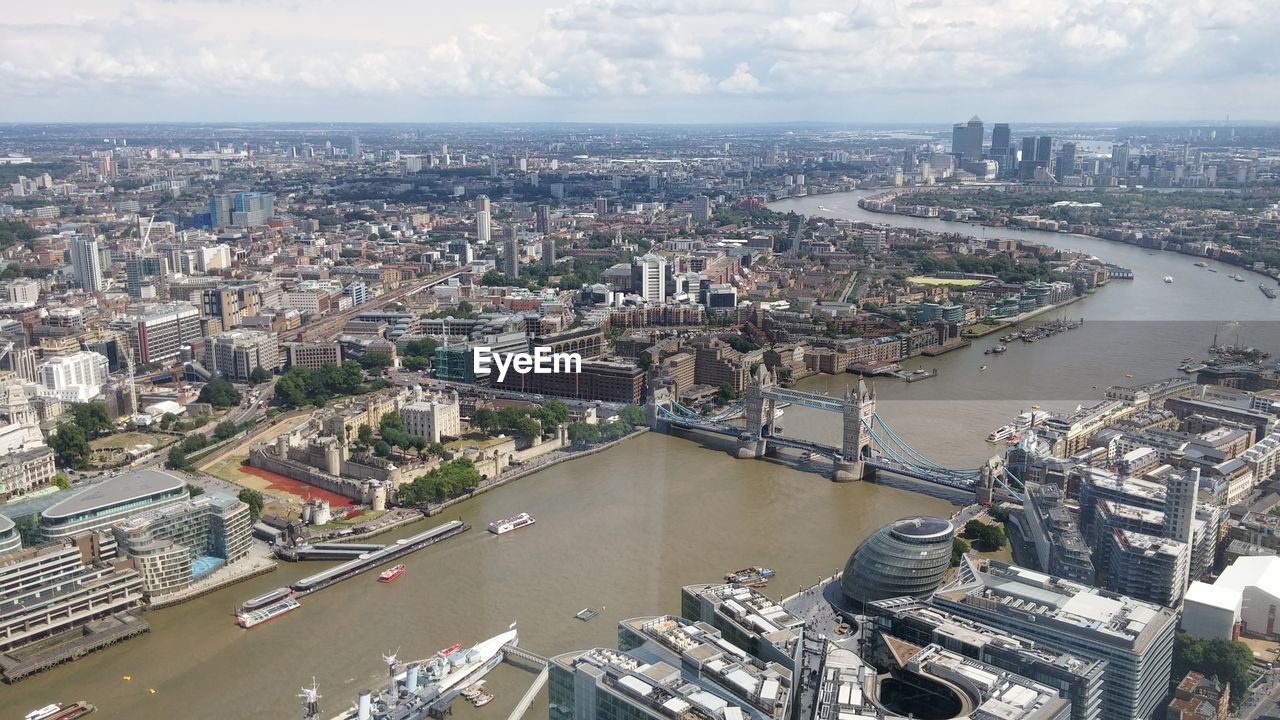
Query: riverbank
1018, 319
546, 461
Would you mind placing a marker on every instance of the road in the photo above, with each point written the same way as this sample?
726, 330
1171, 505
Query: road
1264, 703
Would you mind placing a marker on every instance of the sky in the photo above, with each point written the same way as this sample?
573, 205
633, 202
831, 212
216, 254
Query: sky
700, 61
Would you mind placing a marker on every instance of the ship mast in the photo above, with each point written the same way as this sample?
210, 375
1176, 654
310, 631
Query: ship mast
310, 702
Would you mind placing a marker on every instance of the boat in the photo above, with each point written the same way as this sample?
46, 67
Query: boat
390, 574
1212, 270
473, 691
1001, 433
1236, 277
998, 349
483, 699
751, 577
982, 368
252, 618
498, 527
1168, 278
414, 690
63, 711
1202, 264
1271, 294
266, 599
586, 614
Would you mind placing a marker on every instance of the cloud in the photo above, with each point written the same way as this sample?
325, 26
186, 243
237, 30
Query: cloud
171, 59
741, 81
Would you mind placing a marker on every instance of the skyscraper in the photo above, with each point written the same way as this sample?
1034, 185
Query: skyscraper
549, 250
482, 203
544, 219
1044, 150
1000, 142
966, 139
86, 263
354, 151
1120, 160
482, 227
1066, 163
511, 253
602, 206
1028, 149
649, 278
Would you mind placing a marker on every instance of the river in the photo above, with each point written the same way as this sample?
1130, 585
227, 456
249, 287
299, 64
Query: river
623, 530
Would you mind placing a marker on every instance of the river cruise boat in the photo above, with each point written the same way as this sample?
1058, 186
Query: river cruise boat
501, 527
390, 574
64, 711
253, 618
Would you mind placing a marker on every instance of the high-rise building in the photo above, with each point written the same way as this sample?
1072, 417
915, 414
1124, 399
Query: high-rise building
167, 545
1120, 160
77, 377
235, 354
1066, 162
141, 271
1028, 149
1000, 142
244, 209
511, 252
1044, 150
649, 277
966, 139
602, 206
1134, 637
160, 331
549, 250
86, 263
482, 227
482, 204
544, 219
354, 152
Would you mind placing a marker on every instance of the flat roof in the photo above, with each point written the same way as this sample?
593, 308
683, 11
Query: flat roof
133, 485
5, 524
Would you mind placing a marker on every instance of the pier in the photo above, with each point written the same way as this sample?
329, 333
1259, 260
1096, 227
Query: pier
539, 682
391, 552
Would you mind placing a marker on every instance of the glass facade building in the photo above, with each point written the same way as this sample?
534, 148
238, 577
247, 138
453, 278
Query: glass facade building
907, 557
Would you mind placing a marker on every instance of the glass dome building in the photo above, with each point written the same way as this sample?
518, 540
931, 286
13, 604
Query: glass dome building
906, 557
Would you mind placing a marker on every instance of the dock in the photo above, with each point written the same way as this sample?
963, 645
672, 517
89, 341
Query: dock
70, 645
325, 551
394, 551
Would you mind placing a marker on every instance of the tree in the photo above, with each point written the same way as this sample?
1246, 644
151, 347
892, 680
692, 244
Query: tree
177, 458
484, 419
958, 550
375, 362
62, 482
527, 428
225, 429
194, 490
726, 393
92, 418
220, 394
553, 413
1227, 659
258, 376
583, 434
449, 480
632, 415
390, 423
71, 445
365, 435
382, 448
254, 500
986, 538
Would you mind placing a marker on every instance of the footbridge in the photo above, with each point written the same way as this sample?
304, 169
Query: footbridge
868, 445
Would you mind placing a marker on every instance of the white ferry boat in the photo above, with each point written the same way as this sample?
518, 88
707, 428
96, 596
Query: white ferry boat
252, 618
1004, 432
1168, 278
498, 527
1027, 419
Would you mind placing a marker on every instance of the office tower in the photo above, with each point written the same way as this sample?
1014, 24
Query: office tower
141, 269
649, 278
482, 227
86, 263
1120, 160
493, 167
235, 354
966, 139
544, 219
1134, 637
1066, 163
602, 206
354, 151
246, 209
549, 250
1044, 149
1000, 142
1028, 149
511, 253
159, 332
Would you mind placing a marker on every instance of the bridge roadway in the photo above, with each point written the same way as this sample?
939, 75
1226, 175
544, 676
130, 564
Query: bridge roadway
804, 399
879, 462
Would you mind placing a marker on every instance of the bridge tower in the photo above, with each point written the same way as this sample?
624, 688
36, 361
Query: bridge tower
758, 411
659, 398
857, 444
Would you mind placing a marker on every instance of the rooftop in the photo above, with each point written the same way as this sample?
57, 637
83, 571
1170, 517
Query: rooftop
132, 485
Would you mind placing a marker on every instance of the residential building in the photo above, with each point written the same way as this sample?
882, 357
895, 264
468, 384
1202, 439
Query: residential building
173, 546
244, 209
86, 263
1200, 698
235, 354
78, 377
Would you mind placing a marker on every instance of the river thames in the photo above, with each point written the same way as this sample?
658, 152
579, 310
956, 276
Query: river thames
623, 530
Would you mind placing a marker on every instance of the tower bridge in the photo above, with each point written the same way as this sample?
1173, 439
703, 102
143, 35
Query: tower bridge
868, 445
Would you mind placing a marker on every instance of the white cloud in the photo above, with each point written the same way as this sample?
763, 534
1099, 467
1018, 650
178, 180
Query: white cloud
741, 81
170, 59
